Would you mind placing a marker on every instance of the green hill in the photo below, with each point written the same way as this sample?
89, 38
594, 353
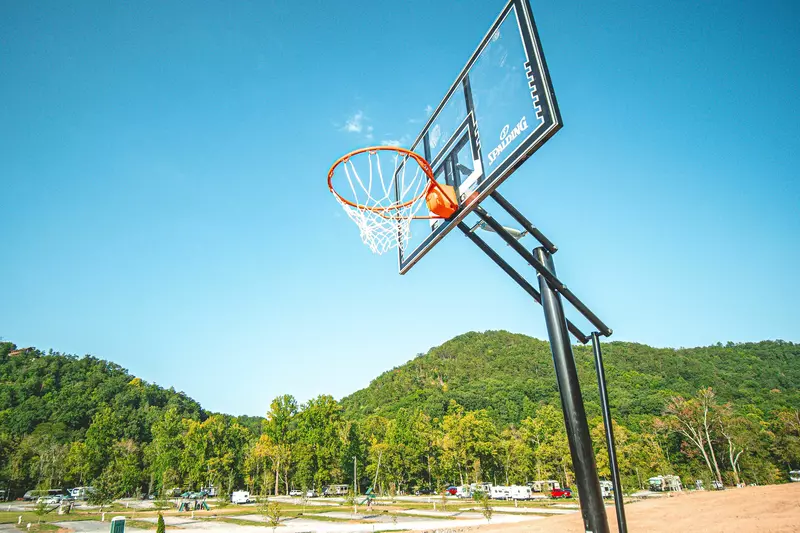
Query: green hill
509, 374
482, 406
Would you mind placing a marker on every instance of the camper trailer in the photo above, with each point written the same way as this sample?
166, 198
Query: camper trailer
520, 492
606, 488
545, 485
81, 493
335, 490
240, 497
499, 493
480, 488
665, 483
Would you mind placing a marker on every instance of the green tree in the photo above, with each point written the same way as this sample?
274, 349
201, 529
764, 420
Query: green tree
318, 445
547, 438
163, 454
279, 426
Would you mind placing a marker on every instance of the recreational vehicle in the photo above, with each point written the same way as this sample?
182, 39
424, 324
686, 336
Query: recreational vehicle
499, 493
81, 493
240, 497
480, 488
794, 475
545, 485
335, 490
520, 492
606, 488
665, 483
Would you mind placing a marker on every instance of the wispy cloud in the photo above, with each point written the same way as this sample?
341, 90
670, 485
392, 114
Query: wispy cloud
402, 141
355, 124
428, 110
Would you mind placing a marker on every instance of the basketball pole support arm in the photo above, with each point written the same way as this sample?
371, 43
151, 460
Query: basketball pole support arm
558, 328
622, 523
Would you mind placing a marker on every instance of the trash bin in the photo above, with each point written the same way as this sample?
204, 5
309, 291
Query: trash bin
118, 524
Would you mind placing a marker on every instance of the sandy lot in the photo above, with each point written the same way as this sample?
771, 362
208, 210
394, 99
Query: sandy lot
771, 509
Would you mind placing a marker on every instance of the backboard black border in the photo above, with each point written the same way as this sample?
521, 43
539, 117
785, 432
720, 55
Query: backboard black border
553, 122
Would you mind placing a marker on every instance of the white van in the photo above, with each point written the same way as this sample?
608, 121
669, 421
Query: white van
519, 492
499, 493
240, 497
463, 492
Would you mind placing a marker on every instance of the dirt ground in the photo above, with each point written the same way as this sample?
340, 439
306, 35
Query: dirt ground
770, 509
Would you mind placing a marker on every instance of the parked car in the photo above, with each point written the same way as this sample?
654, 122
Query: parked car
565, 492
55, 499
311, 493
422, 491
296, 493
452, 490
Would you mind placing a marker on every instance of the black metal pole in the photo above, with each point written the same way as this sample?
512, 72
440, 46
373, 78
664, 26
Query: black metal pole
580, 442
612, 452
508, 269
519, 217
551, 278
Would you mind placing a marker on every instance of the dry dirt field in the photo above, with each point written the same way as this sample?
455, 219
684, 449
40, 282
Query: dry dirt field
771, 509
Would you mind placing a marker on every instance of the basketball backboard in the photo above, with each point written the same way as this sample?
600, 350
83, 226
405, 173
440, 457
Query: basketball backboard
498, 112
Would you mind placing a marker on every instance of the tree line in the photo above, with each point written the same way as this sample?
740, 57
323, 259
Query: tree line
68, 421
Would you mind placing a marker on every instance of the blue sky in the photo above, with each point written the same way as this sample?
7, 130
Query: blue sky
163, 166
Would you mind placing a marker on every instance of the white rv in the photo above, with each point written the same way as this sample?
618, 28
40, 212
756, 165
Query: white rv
240, 497
484, 488
665, 483
463, 492
544, 485
499, 493
606, 488
335, 490
519, 492
81, 493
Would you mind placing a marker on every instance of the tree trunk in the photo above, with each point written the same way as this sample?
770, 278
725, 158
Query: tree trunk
711, 446
277, 471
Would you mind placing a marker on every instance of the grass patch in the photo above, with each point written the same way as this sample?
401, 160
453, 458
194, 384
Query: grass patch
142, 524
37, 527
240, 522
11, 517
332, 519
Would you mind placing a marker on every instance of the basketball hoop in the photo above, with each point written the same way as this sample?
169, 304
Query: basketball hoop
385, 200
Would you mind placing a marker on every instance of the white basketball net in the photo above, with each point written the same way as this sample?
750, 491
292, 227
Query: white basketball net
380, 219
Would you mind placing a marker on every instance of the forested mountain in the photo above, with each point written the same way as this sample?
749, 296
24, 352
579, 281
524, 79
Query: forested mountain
67, 418
480, 407
510, 374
